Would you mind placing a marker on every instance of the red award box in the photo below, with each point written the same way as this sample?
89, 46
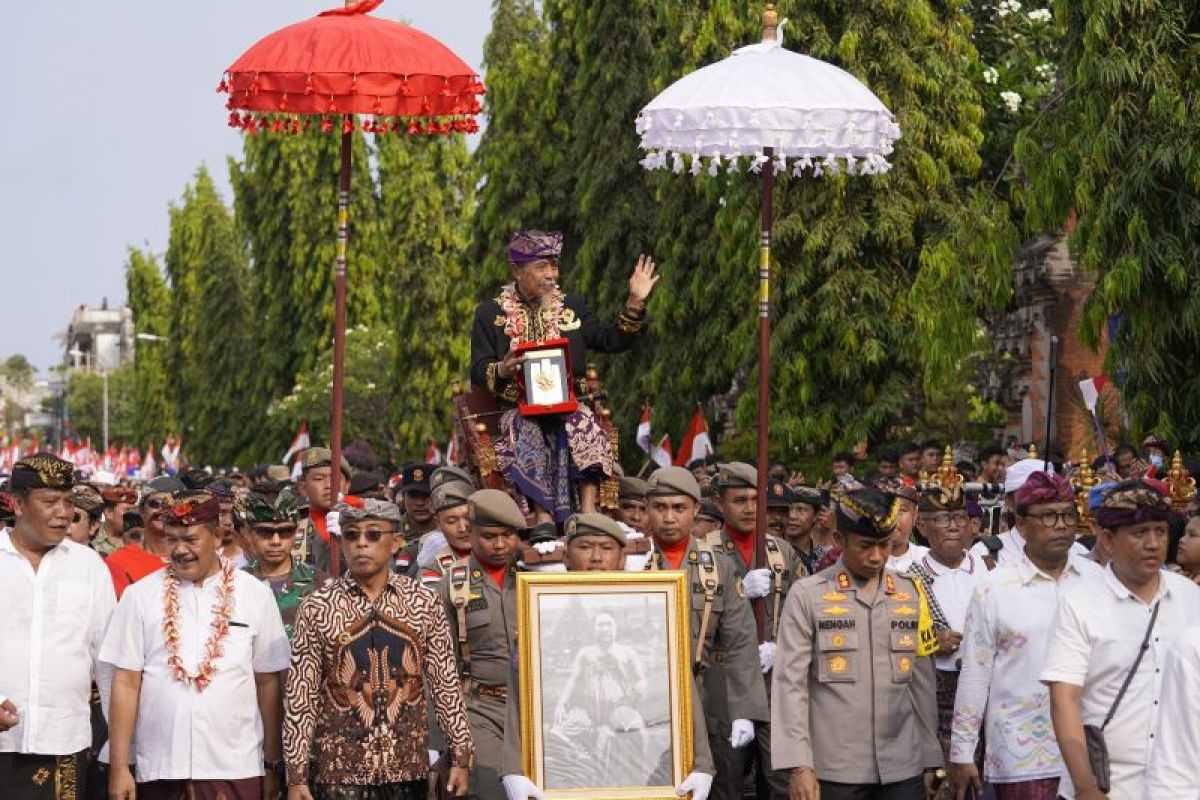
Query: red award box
545, 378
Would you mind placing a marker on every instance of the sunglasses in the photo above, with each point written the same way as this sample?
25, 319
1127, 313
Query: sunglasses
372, 535
267, 534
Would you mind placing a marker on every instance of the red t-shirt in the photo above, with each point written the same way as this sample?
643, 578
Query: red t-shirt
745, 545
130, 564
673, 553
496, 574
318, 520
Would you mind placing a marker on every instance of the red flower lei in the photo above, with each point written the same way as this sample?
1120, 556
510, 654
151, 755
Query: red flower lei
214, 647
516, 319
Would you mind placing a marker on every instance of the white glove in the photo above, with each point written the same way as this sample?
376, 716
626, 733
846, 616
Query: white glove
431, 545
757, 583
333, 523
630, 533
636, 563
518, 787
698, 783
741, 733
766, 656
434, 755
547, 547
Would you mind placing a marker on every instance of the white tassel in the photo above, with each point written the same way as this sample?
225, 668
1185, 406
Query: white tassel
733, 165
801, 165
831, 165
780, 164
696, 165
714, 164
677, 162
757, 165
851, 164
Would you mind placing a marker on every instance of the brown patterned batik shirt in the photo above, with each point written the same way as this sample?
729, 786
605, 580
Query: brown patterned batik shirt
355, 700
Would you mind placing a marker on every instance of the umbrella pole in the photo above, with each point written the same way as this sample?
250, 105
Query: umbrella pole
339, 333
764, 382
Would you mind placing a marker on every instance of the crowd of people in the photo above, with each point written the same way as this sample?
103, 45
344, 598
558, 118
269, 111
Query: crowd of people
183, 637
998, 626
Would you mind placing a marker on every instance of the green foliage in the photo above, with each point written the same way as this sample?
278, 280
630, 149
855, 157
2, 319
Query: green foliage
369, 390
85, 405
17, 370
208, 325
1118, 151
154, 416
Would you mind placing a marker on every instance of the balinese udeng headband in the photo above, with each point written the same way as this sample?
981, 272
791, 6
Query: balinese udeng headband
194, 508
42, 471
1132, 503
867, 512
527, 246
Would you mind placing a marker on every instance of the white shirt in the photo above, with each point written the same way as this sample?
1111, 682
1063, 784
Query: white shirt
1014, 548
54, 621
1004, 644
1171, 773
182, 733
1093, 643
953, 588
902, 563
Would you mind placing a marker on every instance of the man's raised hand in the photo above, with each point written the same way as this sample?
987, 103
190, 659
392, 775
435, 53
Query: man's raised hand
642, 281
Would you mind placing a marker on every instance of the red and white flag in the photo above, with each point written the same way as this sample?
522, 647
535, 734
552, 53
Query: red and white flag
643, 432
660, 453
452, 450
1090, 389
298, 445
696, 443
432, 454
170, 452
149, 468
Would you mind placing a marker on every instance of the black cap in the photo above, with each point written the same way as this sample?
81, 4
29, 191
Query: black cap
415, 478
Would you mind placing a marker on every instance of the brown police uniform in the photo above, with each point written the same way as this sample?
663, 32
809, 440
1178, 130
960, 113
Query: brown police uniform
485, 651
726, 668
852, 695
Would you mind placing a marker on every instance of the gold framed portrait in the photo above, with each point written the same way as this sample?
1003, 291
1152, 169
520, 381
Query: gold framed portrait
605, 684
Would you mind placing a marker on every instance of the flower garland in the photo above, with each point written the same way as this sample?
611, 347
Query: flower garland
516, 315
214, 648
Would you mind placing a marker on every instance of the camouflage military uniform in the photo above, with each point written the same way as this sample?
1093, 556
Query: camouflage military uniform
291, 591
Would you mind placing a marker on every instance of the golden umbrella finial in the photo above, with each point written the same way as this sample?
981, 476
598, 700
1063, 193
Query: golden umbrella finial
1033, 453
1083, 481
770, 22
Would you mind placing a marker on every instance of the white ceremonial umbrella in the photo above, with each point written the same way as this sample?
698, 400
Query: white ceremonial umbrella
767, 104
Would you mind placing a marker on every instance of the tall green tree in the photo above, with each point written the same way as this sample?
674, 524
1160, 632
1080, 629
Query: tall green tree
85, 406
285, 200
1117, 150
149, 299
427, 198
208, 324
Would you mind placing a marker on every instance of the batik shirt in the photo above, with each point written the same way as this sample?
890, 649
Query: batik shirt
355, 702
290, 590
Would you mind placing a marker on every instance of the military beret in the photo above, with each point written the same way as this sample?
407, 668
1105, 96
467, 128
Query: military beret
320, 457
668, 481
542, 532
415, 478
370, 509
449, 472
451, 494
362, 483
737, 475
193, 508
593, 525
809, 495
632, 489
492, 508
711, 511
779, 494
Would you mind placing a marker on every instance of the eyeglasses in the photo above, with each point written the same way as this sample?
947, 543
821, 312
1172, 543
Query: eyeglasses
1051, 518
267, 534
372, 535
948, 520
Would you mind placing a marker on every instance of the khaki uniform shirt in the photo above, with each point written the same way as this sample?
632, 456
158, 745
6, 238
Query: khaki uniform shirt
852, 698
491, 617
729, 679
723, 542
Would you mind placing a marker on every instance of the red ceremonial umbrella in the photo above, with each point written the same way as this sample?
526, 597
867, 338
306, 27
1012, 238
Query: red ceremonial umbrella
318, 74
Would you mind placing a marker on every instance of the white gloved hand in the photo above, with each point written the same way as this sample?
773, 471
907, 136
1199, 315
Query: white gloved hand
518, 787
630, 533
433, 543
636, 563
766, 656
698, 783
757, 583
434, 755
547, 547
333, 523
741, 733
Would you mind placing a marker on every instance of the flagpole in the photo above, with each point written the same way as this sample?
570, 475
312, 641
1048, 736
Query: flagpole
764, 382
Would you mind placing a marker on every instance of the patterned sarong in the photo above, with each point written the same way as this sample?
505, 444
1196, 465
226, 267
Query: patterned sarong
947, 687
411, 790
542, 455
1041, 789
238, 789
33, 777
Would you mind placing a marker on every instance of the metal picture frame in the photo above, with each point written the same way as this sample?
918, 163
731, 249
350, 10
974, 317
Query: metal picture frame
605, 684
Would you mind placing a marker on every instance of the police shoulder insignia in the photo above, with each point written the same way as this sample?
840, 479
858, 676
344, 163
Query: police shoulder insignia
835, 611
843, 580
838, 640
905, 664
838, 664
906, 640
904, 611
834, 597
902, 597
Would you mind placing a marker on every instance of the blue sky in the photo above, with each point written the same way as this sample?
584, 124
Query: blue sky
109, 110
